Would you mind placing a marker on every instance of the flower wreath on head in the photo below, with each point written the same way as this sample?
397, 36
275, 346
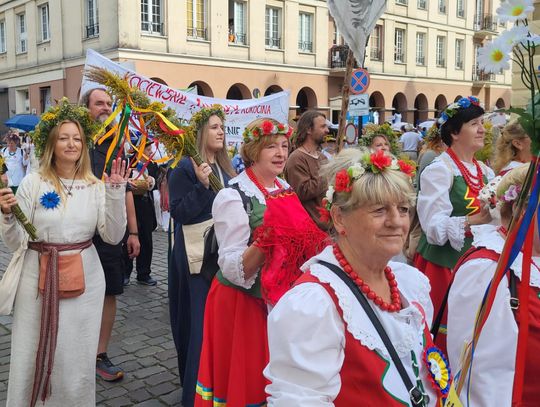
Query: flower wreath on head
267, 128
200, 118
488, 194
64, 110
453, 108
373, 130
377, 162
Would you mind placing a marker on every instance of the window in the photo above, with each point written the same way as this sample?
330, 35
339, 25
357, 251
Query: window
272, 28
21, 34
237, 24
442, 6
399, 42
45, 98
440, 51
44, 22
2, 36
376, 44
401, 2
459, 54
460, 8
420, 48
421, 4
92, 22
151, 17
305, 32
196, 19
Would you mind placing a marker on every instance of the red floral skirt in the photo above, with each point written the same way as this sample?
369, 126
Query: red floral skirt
234, 349
439, 279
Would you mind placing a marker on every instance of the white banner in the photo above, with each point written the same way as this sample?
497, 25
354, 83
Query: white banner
355, 20
238, 112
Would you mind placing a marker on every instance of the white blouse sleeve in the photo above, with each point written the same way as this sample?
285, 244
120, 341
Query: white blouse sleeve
434, 207
492, 373
111, 212
306, 341
231, 224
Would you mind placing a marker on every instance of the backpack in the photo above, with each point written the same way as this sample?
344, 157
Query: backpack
210, 266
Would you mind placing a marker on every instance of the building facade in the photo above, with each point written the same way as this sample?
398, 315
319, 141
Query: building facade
421, 55
233, 49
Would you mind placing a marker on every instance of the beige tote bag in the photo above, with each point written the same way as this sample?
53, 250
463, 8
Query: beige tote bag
194, 242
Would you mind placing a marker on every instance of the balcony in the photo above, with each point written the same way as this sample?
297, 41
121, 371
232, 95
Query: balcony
484, 25
237, 38
305, 46
92, 30
197, 33
338, 60
152, 28
375, 54
273, 42
480, 77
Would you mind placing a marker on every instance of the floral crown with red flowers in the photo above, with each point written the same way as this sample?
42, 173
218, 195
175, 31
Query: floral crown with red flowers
377, 162
267, 128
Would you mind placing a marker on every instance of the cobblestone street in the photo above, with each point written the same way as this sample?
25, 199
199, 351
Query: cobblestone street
141, 343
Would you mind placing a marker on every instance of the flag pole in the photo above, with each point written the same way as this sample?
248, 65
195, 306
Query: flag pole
345, 99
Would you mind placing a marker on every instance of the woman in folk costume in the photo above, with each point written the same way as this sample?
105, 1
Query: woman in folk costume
512, 149
448, 197
263, 240
325, 349
56, 317
191, 201
491, 379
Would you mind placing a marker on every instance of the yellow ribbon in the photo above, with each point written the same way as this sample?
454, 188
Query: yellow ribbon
109, 120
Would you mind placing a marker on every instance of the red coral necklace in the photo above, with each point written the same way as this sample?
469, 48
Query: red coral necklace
368, 292
251, 175
474, 182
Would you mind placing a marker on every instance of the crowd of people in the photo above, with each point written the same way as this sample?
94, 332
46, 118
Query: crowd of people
287, 282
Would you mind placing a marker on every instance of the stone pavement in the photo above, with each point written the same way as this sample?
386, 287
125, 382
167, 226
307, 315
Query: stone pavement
141, 343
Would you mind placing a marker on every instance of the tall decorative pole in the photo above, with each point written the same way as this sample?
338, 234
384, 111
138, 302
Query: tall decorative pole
345, 99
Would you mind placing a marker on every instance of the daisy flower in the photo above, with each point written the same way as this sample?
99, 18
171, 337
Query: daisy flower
513, 10
494, 56
514, 36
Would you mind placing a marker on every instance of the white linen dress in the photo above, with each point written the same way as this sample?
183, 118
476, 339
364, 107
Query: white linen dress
93, 207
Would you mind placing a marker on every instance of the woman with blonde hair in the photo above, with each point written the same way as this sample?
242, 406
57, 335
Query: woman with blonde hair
513, 148
190, 201
56, 317
264, 235
325, 345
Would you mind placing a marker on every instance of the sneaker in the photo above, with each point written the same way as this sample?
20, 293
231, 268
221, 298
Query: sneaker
126, 281
106, 369
148, 281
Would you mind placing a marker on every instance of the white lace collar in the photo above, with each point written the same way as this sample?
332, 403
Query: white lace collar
250, 189
410, 319
487, 236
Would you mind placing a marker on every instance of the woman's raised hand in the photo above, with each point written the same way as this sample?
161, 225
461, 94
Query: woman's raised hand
7, 200
202, 172
119, 172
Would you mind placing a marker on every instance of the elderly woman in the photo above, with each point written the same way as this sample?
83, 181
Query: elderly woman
325, 349
448, 197
191, 200
513, 148
491, 378
56, 315
264, 235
